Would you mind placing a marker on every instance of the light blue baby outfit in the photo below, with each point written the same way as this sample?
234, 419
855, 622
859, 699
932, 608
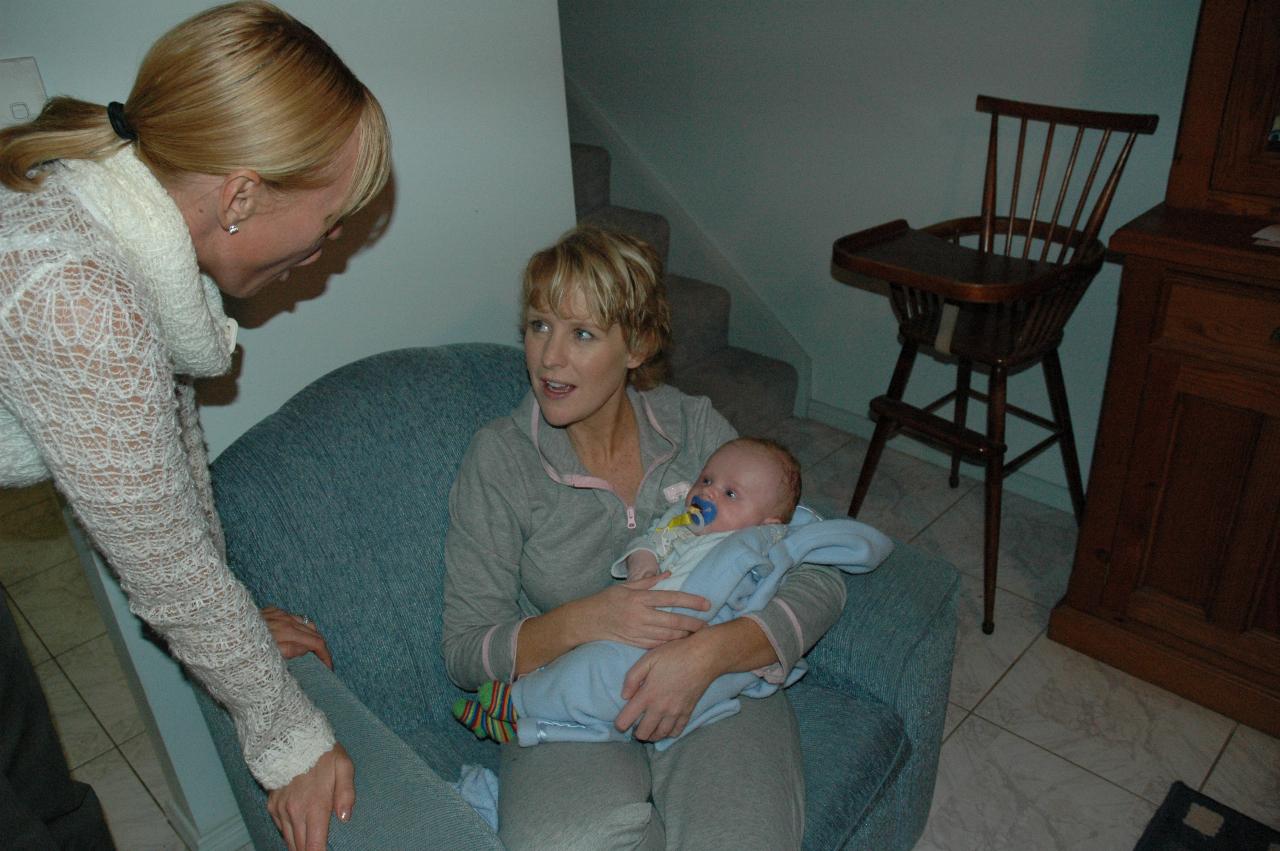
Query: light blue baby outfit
678, 548
576, 697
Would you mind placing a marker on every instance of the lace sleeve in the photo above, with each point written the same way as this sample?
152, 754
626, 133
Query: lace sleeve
83, 371
198, 461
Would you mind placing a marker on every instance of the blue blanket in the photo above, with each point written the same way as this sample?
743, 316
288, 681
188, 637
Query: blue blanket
576, 697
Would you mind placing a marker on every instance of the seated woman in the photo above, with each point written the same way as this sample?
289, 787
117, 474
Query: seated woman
749, 486
598, 449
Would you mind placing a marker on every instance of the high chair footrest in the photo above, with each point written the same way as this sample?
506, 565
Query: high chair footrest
913, 419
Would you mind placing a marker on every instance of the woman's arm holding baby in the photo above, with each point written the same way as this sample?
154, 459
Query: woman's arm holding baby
665, 685
663, 688
627, 612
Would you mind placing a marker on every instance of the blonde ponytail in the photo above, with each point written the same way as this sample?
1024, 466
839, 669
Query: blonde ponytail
243, 85
66, 129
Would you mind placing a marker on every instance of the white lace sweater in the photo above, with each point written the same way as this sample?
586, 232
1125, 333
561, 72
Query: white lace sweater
101, 307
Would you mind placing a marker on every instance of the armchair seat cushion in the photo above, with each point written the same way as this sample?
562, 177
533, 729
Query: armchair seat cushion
854, 746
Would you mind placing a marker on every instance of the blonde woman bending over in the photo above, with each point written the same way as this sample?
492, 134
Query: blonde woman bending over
243, 145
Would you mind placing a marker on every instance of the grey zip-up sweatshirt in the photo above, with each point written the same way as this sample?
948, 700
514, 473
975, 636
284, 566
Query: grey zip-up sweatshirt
531, 530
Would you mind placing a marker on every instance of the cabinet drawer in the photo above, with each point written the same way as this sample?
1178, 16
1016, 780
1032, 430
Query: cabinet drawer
1236, 323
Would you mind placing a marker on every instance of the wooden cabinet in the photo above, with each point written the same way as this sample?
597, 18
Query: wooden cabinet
1177, 568
1228, 159
1177, 572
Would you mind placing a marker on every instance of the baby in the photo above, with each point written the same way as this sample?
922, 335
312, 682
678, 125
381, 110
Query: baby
747, 484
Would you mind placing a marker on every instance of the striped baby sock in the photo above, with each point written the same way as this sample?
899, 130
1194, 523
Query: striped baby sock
491, 715
481, 723
495, 698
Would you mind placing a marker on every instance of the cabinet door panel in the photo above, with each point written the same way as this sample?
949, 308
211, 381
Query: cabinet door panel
1198, 524
1210, 447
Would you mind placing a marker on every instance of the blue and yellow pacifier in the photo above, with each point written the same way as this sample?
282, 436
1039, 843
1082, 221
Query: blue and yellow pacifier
701, 513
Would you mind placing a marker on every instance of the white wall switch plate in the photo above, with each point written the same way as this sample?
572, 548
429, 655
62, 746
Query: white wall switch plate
21, 90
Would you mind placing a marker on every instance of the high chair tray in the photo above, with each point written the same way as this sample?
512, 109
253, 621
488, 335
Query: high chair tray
897, 253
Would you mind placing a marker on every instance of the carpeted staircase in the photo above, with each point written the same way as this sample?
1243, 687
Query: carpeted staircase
753, 391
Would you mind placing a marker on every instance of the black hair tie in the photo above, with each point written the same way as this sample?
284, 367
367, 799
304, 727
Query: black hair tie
120, 124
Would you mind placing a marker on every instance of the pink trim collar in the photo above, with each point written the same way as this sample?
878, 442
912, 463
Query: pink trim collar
576, 480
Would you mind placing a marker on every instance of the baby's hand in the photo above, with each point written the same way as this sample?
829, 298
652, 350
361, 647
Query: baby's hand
640, 564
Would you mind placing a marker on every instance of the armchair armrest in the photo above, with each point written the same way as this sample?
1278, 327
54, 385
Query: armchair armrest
895, 639
400, 801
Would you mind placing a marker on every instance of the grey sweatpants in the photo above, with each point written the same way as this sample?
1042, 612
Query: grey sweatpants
735, 784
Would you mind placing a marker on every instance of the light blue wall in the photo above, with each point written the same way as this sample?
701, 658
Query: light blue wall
475, 96
782, 126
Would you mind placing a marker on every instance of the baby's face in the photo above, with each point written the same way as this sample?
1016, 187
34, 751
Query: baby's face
744, 483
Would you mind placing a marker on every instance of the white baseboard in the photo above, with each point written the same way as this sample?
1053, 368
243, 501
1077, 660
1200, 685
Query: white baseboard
230, 835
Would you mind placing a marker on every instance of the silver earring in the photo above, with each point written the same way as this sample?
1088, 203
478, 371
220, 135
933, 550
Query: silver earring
232, 230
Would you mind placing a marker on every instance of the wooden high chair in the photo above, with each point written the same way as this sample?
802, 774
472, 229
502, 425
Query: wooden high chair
996, 290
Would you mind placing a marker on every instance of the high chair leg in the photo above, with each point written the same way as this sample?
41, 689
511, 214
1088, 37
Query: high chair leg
994, 486
1066, 437
963, 372
884, 427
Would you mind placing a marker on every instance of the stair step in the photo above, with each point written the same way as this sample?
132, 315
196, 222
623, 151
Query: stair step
755, 393
590, 177
699, 319
752, 391
651, 227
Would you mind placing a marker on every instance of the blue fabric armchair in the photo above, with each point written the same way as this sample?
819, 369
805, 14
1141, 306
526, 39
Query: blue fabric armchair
336, 507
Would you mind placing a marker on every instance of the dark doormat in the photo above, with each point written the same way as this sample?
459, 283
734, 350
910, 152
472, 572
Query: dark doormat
1189, 821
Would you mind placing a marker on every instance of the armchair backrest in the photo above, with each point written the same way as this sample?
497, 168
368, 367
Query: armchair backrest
336, 507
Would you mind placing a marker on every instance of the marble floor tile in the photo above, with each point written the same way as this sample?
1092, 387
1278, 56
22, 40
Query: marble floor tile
59, 606
11, 499
955, 714
96, 673
1247, 776
1134, 734
906, 495
809, 440
141, 755
133, 817
981, 660
32, 538
996, 791
1037, 544
81, 735
36, 651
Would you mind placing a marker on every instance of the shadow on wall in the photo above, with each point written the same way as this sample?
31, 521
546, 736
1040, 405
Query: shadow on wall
308, 282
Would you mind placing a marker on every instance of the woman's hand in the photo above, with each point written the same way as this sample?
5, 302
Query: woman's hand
628, 612
296, 635
632, 614
662, 688
301, 809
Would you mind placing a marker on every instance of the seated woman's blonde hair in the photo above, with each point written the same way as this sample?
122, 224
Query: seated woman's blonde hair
243, 85
620, 277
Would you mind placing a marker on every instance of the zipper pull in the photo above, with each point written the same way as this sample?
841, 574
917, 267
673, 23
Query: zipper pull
631, 517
